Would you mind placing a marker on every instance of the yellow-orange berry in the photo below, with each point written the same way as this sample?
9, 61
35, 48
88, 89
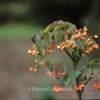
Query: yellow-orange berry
85, 28
35, 70
82, 85
29, 51
95, 36
58, 47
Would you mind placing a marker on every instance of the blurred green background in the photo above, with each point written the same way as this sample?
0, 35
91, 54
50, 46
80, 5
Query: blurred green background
19, 21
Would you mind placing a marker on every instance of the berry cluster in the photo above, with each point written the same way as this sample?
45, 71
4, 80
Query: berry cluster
49, 73
80, 34
59, 74
66, 44
96, 86
33, 51
79, 88
33, 69
75, 39
58, 88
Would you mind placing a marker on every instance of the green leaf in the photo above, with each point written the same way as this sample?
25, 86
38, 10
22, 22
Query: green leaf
83, 79
60, 37
38, 45
50, 27
61, 79
48, 37
95, 61
72, 77
49, 65
60, 26
66, 76
82, 69
37, 67
44, 44
74, 51
79, 52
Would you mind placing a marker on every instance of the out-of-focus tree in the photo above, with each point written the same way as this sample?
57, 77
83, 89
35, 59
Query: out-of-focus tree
46, 11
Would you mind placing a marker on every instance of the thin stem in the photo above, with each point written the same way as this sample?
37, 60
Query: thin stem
69, 54
77, 79
91, 77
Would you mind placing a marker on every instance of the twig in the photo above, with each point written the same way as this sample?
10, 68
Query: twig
91, 77
69, 54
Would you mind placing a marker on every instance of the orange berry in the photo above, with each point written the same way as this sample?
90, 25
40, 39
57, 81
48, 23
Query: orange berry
31, 69
90, 49
63, 73
83, 55
48, 72
82, 38
76, 30
56, 90
40, 63
84, 33
87, 51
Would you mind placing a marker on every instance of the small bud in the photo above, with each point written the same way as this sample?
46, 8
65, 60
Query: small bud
36, 60
95, 36
85, 28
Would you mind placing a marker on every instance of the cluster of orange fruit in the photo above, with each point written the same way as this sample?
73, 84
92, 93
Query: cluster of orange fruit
58, 89
33, 51
33, 69
80, 34
49, 73
79, 88
89, 49
96, 86
58, 74
67, 44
